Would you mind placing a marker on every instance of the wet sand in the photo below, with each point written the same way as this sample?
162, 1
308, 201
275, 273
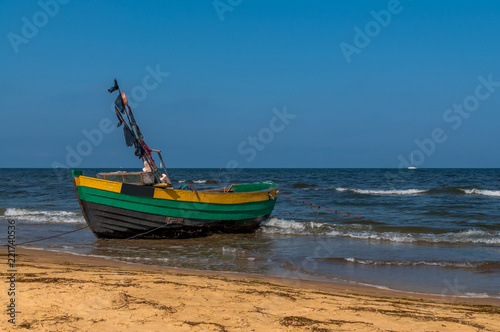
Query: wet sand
64, 292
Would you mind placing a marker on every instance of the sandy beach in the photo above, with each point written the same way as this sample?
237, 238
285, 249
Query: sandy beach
64, 292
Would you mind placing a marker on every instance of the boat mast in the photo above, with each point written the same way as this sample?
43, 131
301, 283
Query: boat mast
141, 147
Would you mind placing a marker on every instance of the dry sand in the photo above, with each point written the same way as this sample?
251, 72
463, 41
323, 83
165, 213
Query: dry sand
63, 292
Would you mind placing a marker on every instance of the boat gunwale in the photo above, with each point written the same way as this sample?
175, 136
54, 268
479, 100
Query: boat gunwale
179, 195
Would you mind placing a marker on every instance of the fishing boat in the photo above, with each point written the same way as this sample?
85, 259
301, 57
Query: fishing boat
126, 205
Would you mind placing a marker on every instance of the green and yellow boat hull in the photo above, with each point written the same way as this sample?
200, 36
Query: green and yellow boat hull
121, 210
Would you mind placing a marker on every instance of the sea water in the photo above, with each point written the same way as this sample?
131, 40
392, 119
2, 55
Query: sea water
431, 231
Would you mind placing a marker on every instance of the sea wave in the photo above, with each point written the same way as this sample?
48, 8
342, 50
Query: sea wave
393, 192
368, 232
476, 265
43, 216
292, 227
482, 192
412, 191
471, 236
384, 192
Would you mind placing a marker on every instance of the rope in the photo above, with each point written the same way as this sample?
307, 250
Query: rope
79, 229
320, 207
50, 237
152, 230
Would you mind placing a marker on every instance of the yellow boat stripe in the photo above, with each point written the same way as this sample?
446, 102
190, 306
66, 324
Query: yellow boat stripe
101, 184
215, 198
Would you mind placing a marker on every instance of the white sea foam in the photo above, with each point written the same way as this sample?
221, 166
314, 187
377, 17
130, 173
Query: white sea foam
386, 236
136, 258
282, 226
393, 192
447, 264
482, 192
389, 192
366, 232
231, 250
200, 181
479, 295
466, 236
43, 216
473, 236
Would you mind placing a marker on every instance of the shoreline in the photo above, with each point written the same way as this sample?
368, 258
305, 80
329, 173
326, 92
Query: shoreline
295, 282
62, 291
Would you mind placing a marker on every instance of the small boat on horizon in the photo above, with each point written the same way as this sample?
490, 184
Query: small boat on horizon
125, 205
412, 163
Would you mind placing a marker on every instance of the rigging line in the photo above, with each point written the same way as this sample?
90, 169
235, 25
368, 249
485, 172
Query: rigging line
50, 237
139, 137
321, 207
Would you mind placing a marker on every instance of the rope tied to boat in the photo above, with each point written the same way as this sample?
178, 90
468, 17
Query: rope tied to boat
150, 231
190, 187
51, 237
319, 207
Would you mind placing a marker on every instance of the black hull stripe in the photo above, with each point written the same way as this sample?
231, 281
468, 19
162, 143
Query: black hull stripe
135, 190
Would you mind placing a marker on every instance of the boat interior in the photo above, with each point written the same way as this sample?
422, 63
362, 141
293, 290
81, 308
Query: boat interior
148, 179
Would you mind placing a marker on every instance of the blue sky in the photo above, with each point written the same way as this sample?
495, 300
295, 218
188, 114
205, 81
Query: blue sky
252, 83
